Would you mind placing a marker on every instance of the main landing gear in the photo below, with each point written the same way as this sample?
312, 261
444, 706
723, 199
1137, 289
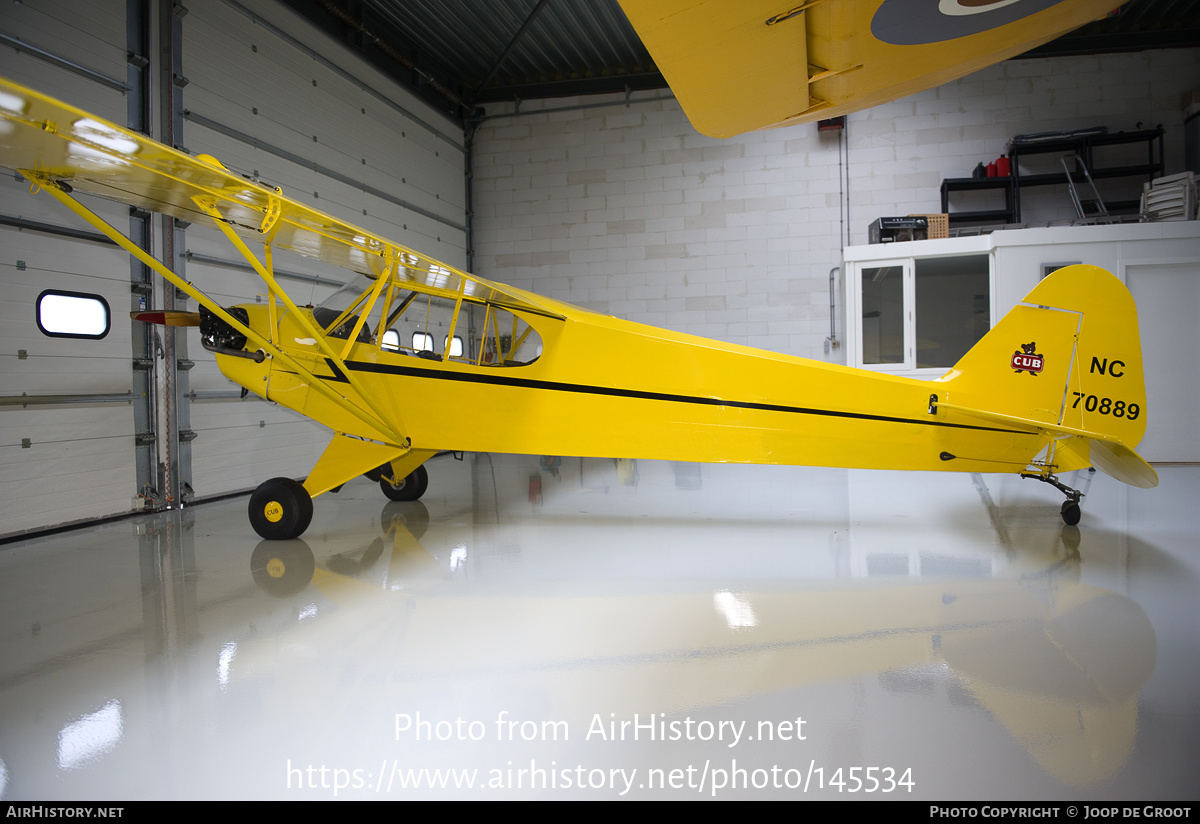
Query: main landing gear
281, 508
1070, 509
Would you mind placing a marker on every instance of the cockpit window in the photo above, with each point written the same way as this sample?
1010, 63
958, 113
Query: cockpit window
481, 333
324, 316
506, 339
440, 327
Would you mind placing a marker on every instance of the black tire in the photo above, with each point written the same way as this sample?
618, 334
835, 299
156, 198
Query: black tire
282, 568
409, 489
280, 509
1071, 513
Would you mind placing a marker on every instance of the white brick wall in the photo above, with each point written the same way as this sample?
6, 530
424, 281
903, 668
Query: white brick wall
628, 210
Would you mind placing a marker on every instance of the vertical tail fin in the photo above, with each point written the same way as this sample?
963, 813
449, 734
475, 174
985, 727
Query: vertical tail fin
1067, 359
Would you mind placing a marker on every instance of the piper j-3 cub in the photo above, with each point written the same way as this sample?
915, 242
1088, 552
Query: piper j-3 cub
1055, 386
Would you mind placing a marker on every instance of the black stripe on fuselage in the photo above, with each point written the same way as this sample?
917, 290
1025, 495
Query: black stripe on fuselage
612, 391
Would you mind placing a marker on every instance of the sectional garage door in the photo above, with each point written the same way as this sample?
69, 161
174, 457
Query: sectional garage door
83, 423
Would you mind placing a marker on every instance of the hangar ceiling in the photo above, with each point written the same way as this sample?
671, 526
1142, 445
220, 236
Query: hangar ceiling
460, 54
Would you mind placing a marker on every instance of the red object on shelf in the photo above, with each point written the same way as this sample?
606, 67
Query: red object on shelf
1003, 166
991, 169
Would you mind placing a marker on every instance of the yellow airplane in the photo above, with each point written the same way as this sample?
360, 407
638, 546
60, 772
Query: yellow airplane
1057, 385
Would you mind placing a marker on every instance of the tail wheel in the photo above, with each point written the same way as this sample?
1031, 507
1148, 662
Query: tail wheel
1070, 512
280, 509
408, 489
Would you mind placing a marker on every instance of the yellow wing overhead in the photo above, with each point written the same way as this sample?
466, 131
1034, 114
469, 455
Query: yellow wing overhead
741, 65
44, 136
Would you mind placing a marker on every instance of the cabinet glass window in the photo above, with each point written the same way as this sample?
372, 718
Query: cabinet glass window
73, 315
921, 313
883, 314
953, 308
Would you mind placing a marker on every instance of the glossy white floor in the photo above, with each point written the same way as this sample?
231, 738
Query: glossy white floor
588, 629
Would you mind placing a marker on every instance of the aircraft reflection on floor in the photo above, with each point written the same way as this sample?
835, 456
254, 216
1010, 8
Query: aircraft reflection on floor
1057, 662
943, 625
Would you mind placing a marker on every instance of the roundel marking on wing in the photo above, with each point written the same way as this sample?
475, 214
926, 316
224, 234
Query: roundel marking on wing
919, 22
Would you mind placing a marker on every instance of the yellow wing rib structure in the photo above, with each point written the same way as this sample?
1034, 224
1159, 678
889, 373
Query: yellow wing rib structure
54, 141
741, 65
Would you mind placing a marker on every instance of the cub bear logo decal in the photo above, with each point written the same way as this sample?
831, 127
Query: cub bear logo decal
1027, 360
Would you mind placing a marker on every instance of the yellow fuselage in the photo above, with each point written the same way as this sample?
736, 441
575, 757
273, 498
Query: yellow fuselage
604, 387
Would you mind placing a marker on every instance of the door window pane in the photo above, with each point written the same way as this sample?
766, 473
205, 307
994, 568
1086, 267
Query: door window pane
883, 314
953, 307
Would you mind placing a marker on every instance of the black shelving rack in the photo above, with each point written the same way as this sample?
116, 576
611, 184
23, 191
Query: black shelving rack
1007, 185
1085, 146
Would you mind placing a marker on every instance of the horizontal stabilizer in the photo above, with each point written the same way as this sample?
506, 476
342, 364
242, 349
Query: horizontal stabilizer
1108, 454
1118, 460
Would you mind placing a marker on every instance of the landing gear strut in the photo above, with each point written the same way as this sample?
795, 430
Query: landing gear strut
1070, 508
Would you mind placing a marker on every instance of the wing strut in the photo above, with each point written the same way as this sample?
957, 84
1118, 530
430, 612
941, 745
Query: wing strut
318, 335
52, 186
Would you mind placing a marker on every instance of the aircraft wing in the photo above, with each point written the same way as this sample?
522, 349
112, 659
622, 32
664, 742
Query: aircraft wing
741, 65
43, 135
